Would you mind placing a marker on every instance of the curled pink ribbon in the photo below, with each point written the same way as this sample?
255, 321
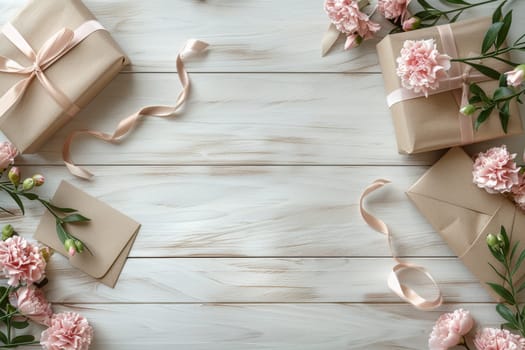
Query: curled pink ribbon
51, 51
457, 80
125, 126
394, 280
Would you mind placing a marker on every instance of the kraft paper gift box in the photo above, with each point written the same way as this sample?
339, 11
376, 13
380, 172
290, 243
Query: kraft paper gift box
464, 214
80, 74
424, 124
109, 234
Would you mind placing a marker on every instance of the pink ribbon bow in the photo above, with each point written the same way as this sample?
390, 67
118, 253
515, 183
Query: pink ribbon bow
51, 51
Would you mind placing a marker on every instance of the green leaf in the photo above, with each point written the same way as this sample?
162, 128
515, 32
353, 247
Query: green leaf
502, 80
491, 36
505, 313
503, 233
7, 211
513, 251
503, 277
30, 196
62, 234
521, 288
75, 218
3, 337
18, 201
27, 338
502, 93
509, 326
502, 36
63, 210
20, 324
504, 116
489, 72
482, 117
518, 262
502, 292
458, 2
424, 4
427, 15
455, 18
497, 15
474, 99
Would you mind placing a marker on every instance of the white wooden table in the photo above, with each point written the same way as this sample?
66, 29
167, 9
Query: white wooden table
251, 237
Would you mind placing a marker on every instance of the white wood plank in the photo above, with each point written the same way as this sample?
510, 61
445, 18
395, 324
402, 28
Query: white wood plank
245, 119
274, 326
247, 36
254, 211
249, 280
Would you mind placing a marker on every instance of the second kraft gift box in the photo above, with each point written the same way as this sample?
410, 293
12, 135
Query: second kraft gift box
434, 122
55, 59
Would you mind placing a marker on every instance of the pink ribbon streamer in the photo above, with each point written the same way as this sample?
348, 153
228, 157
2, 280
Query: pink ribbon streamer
394, 280
52, 50
126, 125
456, 80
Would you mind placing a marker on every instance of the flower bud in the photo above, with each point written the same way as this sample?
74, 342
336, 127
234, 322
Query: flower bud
14, 175
69, 245
28, 184
515, 76
492, 241
39, 180
79, 246
411, 23
46, 253
468, 109
7, 231
352, 41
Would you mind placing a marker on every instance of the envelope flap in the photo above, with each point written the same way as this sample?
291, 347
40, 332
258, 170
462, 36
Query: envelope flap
106, 235
450, 181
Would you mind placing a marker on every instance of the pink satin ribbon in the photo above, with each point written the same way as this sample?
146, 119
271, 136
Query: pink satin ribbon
394, 280
457, 80
126, 125
51, 51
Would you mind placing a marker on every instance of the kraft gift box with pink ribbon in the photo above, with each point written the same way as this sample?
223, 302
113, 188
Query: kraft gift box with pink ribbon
55, 58
434, 122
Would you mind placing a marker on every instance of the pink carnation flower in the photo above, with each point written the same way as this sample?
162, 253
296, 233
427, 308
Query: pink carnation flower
449, 329
495, 170
498, 339
8, 152
420, 65
32, 303
348, 19
68, 331
393, 9
21, 262
518, 192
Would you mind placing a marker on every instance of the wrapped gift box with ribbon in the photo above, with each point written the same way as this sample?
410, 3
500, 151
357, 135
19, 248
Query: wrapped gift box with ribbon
55, 58
434, 122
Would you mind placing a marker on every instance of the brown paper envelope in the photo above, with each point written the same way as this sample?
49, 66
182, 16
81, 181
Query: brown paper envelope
109, 235
464, 214
81, 74
425, 124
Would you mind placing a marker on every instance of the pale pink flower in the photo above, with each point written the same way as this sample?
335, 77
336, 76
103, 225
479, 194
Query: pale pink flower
411, 24
515, 76
21, 262
420, 65
498, 339
68, 331
31, 302
348, 19
495, 170
449, 329
518, 192
8, 152
393, 9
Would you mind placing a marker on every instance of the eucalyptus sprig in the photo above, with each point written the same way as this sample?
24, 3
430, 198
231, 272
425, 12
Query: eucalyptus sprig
431, 15
493, 47
510, 310
62, 215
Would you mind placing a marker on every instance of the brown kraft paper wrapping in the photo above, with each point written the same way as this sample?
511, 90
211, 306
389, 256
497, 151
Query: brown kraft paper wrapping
425, 124
464, 214
81, 73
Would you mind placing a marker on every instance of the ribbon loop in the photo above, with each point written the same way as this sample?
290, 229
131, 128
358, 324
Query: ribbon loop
125, 126
394, 280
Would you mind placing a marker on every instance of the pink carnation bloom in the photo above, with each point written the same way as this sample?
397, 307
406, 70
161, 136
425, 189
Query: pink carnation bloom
393, 9
518, 192
8, 152
498, 339
348, 19
449, 329
68, 331
32, 303
21, 262
495, 170
420, 65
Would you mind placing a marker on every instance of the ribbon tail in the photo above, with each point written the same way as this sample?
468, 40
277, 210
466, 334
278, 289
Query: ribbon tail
126, 125
13, 95
329, 39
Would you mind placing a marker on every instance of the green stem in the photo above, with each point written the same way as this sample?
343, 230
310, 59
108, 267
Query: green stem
9, 346
466, 7
508, 271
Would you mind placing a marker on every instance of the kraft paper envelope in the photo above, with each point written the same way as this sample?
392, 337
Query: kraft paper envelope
464, 214
109, 235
